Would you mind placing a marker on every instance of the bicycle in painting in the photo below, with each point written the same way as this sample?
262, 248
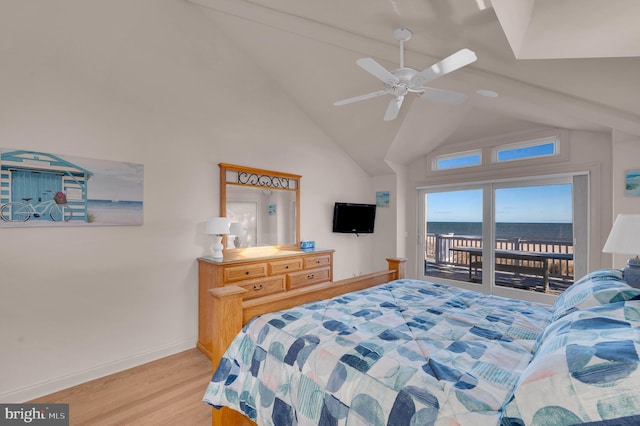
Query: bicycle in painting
57, 209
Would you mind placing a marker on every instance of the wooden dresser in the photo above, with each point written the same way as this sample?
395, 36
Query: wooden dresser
261, 272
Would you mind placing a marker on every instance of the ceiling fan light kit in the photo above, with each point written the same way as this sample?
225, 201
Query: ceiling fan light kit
403, 80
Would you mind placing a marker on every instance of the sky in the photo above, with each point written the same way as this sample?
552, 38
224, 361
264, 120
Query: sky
531, 204
114, 180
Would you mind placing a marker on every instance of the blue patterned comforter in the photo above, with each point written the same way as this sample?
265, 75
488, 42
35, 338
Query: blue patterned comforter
403, 353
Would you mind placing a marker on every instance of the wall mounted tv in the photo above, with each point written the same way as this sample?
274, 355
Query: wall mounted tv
354, 218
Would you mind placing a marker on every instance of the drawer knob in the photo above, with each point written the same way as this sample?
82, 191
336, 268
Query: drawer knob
310, 276
246, 272
286, 267
257, 287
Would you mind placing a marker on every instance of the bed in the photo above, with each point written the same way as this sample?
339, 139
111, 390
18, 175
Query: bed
409, 352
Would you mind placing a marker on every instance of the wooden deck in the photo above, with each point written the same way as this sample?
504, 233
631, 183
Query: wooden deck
444, 251
506, 279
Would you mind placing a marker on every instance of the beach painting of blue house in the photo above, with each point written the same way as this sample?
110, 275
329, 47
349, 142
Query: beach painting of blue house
46, 189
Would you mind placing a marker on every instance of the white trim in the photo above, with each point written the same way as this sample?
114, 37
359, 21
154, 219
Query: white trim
544, 177
37, 390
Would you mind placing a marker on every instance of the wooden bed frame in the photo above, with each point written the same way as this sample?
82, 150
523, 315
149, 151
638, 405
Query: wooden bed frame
230, 313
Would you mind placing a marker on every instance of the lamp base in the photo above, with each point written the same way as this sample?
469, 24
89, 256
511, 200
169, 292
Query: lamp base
631, 273
216, 248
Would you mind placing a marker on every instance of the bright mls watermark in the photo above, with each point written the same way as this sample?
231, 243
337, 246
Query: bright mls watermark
34, 414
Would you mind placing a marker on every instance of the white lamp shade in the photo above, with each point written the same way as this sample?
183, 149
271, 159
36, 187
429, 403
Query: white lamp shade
217, 226
625, 235
235, 228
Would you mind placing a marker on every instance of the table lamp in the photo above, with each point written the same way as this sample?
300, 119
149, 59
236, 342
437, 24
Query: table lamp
625, 239
236, 229
217, 226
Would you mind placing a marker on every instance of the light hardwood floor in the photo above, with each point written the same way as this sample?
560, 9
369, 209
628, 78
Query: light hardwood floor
164, 392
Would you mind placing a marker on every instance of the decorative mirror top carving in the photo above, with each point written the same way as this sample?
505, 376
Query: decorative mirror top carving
262, 179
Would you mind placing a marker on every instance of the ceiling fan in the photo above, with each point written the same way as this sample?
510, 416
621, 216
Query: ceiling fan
403, 80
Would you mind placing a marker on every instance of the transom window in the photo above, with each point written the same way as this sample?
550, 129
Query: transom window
457, 160
539, 149
525, 150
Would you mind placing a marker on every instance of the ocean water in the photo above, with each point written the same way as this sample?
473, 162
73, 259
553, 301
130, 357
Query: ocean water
107, 212
533, 231
114, 205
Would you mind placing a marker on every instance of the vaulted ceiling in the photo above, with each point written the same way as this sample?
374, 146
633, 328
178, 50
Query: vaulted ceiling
572, 64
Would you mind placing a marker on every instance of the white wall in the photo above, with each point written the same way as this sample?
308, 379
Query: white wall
385, 244
151, 82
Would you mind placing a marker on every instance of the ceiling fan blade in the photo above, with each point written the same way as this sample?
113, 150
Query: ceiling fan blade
393, 109
360, 98
451, 63
377, 70
446, 96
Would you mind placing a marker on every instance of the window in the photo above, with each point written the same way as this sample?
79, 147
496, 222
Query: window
453, 220
457, 160
509, 238
525, 150
544, 148
534, 237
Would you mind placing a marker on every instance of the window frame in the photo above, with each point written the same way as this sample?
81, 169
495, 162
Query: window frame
488, 166
488, 285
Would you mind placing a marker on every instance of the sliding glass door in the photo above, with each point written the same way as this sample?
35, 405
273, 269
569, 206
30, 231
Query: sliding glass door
510, 238
534, 237
452, 225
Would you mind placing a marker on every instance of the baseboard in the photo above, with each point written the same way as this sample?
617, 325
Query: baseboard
37, 390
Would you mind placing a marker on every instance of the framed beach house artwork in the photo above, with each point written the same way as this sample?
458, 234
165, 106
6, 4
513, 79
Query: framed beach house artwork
632, 183
45, 189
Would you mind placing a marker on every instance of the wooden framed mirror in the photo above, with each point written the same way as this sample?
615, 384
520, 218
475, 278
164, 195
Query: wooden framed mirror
263, 207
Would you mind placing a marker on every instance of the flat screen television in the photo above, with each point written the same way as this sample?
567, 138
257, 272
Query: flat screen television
354, 218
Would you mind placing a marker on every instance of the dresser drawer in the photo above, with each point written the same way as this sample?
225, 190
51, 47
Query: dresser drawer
284, 266
312, 276
244, 272
262, 287
311, 262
